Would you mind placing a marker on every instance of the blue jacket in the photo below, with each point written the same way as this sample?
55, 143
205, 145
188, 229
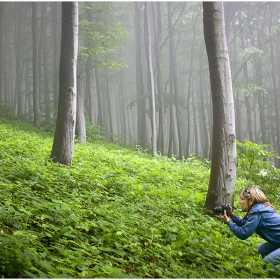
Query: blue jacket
261, 219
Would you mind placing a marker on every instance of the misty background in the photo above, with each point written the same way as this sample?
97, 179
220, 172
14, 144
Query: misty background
113, 71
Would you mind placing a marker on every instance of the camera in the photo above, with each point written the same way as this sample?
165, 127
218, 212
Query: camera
220, 209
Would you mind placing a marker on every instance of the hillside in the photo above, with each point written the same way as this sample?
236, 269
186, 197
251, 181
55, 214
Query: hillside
116, 213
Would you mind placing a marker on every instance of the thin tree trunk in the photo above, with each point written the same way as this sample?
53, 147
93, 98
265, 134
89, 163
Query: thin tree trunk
161, 144
99, 100
36, 91
174, 77
152, 85
18, 108
81, 123
141, 117
274, 89
109, 115
54, 31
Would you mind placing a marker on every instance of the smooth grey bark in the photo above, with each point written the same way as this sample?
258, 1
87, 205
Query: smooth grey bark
223, 163
55, 8
174, 77
18, 108
63, 144
247, 99
90, 95
190, 89
123, 111
205, 143
99, 99
109, 107
152, 83
275, 92
141, 118
47, 106
162, 131
81, 123
36, 92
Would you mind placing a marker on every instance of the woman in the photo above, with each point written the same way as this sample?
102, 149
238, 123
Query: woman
262, 218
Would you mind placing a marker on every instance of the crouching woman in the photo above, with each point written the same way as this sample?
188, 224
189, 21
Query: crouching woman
262, 218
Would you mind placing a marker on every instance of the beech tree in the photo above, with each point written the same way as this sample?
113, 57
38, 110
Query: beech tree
152, 83
223, 166
63, 143
36, 93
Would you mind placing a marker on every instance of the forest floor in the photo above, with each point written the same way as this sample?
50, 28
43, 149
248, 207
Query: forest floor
116, 213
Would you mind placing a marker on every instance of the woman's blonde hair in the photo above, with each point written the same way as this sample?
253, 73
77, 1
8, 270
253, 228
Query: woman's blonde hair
255, 195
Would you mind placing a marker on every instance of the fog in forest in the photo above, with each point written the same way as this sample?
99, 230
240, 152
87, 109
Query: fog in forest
114, 72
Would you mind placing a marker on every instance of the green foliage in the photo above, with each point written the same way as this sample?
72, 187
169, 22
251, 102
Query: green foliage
94, 133
116, 213
247, 87
255, 165
101, 37
253, 54
6, 112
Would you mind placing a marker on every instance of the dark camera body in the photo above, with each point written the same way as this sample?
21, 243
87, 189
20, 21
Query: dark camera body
220, 209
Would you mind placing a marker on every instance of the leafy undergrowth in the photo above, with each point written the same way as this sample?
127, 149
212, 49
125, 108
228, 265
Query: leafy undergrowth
116, 213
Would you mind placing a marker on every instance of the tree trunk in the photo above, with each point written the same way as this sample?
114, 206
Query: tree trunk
174, 76
109, 106
63, 145
152, 84
223, 166
204, 131
18, 55
274, 89
161, 144
99, 100
36, 91
81, 123
54, 33
45, 57
141, 117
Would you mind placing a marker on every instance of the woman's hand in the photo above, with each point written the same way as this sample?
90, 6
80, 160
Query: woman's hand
230, 211
224, 217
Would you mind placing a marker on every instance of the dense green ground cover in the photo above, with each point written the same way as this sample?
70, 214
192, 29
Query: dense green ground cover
116, 213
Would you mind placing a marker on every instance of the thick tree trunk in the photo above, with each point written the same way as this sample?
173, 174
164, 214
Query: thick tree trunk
223, 166
63, 145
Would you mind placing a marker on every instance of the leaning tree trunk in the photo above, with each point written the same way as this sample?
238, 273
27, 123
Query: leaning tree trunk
223, 166
63, 144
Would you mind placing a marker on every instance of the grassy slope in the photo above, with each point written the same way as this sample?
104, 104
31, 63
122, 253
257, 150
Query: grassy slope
116, 213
